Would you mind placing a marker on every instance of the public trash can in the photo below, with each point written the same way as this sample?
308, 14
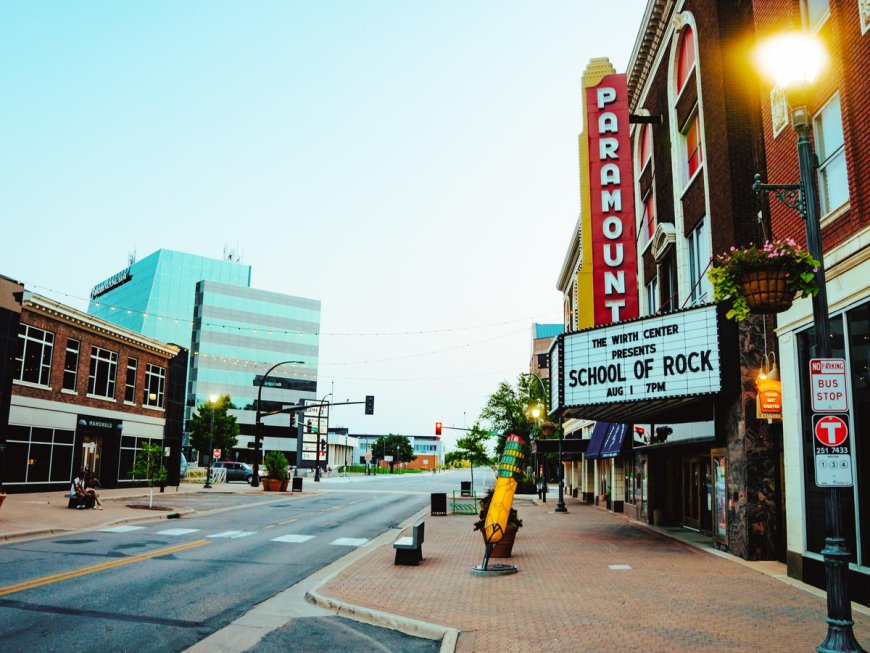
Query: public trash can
439, 503
297, 484
465, 488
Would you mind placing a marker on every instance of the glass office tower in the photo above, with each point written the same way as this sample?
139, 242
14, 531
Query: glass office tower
235, 333
239, 333
155, 296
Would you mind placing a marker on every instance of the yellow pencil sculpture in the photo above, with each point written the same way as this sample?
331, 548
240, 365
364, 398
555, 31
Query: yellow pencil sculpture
502, 500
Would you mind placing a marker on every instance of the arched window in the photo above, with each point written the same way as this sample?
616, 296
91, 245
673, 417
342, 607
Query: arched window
694, 156
686, 58
648, 219
646, 146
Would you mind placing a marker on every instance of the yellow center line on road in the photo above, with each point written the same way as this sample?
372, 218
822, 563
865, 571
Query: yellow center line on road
92, 569
287, 521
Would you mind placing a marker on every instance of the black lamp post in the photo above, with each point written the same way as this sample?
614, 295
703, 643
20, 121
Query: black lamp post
213, 402
795, 61
258, 424
560, 503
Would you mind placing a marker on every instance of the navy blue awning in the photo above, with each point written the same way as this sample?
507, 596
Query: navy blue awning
614, 439
607, 440
597, 439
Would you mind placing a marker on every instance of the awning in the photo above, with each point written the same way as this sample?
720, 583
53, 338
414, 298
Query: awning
607, 440
613, 440
597, 440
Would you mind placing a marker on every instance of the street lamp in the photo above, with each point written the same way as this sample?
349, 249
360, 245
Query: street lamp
319, 441
258, 424
560, 503
794, 61
212, 400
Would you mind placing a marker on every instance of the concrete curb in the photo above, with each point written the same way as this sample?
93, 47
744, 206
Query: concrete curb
246, 631
446, 635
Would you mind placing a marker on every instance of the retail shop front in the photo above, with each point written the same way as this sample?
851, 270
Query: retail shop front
655, 387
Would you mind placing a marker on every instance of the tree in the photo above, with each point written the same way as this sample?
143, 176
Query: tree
225, 427
506, 410
452, 458
397, 446
472, 447
148, 466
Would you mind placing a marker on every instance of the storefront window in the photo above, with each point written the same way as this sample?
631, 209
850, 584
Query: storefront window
858, 325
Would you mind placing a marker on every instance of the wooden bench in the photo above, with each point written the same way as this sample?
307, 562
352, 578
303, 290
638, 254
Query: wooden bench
409, 550
80, 501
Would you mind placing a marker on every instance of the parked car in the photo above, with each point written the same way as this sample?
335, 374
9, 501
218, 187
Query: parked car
235, 471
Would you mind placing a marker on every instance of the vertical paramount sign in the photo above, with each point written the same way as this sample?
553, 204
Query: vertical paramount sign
611, 202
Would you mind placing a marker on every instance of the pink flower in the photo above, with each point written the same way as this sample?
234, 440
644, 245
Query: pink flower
815, 269
788, 274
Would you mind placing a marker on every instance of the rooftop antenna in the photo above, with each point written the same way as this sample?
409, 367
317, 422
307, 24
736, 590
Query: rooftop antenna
131, 256
232, 254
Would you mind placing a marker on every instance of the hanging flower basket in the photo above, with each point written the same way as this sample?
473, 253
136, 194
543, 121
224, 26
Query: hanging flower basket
763, 278
548, 428
766, 291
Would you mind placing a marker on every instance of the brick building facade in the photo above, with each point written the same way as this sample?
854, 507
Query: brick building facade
85, 393
841, 136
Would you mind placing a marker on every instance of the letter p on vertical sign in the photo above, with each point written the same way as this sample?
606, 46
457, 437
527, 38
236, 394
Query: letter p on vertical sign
606, 95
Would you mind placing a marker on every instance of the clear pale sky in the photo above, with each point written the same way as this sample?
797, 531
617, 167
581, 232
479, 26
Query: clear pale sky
413, 165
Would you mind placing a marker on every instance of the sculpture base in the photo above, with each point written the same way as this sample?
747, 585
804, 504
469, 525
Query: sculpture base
493, 570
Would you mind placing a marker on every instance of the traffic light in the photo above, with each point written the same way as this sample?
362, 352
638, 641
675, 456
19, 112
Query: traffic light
437, 428
292, 419
370, 404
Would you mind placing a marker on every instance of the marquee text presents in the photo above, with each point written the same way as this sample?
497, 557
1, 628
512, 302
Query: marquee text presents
658, 357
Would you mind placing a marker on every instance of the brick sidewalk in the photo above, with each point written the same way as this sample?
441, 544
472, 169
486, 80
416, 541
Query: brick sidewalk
39, 513
565, 598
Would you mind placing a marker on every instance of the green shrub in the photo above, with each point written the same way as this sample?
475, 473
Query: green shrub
276, 465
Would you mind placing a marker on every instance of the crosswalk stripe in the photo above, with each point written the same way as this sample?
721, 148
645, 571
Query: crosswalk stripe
122, 529
232, 534
178, 531
349, 541
293, 538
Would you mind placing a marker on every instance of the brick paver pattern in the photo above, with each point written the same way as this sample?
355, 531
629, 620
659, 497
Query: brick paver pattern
566, 598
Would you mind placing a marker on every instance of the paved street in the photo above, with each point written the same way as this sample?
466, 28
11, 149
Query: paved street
164, 585
232, 575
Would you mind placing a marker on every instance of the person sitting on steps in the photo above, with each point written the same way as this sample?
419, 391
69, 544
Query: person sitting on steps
91, 483
80, 489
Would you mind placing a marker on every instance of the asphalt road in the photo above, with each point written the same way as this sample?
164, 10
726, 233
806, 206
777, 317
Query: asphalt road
164, 585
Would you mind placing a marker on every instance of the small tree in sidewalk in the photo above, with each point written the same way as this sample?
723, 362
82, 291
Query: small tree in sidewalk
148, 466
472, 447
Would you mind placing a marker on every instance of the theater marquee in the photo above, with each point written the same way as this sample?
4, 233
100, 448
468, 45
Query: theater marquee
655, 358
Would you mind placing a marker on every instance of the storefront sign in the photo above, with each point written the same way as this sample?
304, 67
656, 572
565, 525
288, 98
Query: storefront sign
659, 357
828, 385
768, 403
614, 272
832, 451
99, 424
112, 282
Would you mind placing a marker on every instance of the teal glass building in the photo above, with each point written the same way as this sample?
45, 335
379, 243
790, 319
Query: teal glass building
155, 296
235, 333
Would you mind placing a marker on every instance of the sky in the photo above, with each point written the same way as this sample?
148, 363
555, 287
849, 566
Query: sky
413, 165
